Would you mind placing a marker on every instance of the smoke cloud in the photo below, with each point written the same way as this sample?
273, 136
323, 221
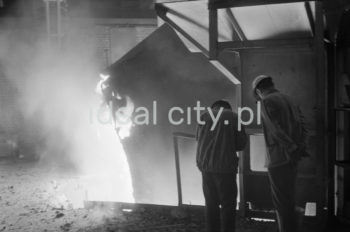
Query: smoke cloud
54, 106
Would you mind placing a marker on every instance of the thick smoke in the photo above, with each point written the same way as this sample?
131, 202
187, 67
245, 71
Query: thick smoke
55, 106
55, 88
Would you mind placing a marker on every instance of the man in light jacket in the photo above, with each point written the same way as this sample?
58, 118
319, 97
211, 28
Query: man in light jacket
285, 141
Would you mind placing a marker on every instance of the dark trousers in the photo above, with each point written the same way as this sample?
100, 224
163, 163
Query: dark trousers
282, 181
220, 193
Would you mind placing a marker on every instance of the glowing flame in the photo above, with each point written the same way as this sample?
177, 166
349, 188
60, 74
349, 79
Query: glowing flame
123, 118
113, 181
105, 166
104, 77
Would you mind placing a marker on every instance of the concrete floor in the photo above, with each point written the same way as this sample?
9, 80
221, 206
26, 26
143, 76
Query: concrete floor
32, 199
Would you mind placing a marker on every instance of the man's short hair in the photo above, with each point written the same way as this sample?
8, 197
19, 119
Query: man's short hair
265, 83
221, 103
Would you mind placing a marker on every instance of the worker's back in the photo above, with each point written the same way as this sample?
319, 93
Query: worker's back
217, 144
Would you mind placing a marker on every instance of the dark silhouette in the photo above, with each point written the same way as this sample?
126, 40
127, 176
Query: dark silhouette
218, 162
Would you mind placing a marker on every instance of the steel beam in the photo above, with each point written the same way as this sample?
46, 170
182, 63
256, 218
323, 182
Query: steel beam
213, 34
310, 17
162, 13
269, 43
320, 62
219, 4
235, 25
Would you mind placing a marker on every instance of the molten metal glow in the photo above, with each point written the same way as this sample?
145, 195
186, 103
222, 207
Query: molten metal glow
123, 119
106, 176
103, 159
104, 77
112, 179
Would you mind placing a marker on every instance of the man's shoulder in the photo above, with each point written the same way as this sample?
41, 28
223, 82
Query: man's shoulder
276, 98
274, 95
279, 102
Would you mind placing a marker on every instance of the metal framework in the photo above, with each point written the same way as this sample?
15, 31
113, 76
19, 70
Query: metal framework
310, 17
215, 47
162, 11
320, 62
213, 34
272, 43
235, 25
335, 158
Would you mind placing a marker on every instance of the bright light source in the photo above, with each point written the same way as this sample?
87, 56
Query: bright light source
310, 209
110, 177
263, 220
127, 210
104, 77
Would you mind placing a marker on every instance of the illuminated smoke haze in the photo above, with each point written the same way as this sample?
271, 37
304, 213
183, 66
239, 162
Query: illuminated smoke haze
57, 104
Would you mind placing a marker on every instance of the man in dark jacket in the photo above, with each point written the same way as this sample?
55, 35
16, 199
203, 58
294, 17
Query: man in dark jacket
285, 141
218, 162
